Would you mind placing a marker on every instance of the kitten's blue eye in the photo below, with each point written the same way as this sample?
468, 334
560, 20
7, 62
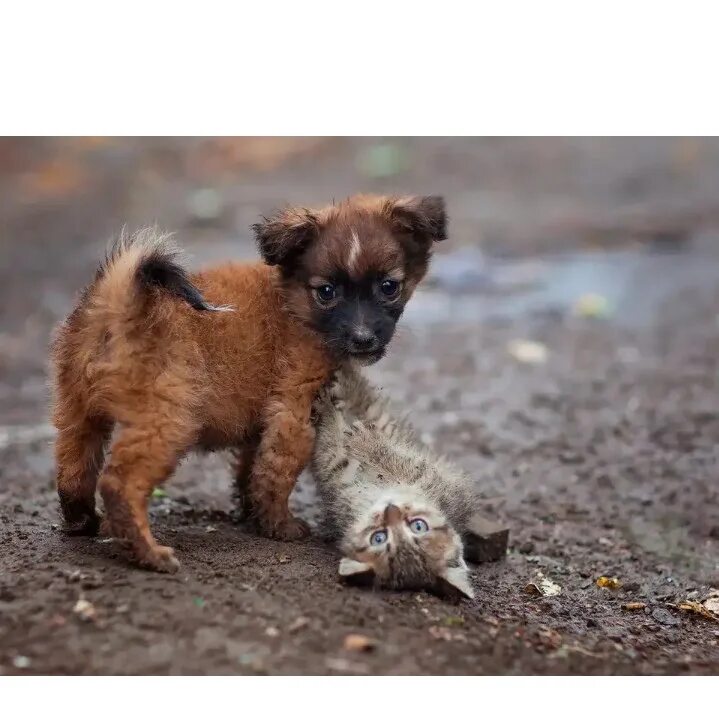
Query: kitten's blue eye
419, 526
379, 537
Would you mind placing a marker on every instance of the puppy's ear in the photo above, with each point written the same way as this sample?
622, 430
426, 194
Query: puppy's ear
357, 573
424, 217
282, 237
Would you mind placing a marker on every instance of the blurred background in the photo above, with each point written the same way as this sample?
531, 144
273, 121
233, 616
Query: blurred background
515, 205
564, 348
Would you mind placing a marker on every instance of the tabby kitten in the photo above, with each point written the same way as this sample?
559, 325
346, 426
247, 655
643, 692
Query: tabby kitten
397, 509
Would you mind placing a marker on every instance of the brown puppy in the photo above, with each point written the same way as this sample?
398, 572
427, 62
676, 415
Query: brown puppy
146, 353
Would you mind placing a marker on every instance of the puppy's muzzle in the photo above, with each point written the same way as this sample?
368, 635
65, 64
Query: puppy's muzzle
363, 341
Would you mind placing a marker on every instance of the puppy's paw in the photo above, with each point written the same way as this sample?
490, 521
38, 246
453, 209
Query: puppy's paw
159, 558
86, 525
289, 529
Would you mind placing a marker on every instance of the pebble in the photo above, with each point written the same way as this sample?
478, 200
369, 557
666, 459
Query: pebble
21, 662
664, 617
85, 610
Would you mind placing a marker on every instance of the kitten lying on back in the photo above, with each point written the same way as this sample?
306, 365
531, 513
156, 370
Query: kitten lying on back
397, 509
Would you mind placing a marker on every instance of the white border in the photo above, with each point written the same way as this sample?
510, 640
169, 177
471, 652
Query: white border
376, 67
350, 698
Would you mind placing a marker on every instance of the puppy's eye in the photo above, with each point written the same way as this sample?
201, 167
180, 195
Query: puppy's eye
325, 293
379, 537
390, 288
419, 526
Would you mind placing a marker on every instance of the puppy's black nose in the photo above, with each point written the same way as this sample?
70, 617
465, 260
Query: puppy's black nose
363, 340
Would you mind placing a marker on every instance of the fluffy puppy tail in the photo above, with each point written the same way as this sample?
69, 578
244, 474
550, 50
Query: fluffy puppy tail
141, 263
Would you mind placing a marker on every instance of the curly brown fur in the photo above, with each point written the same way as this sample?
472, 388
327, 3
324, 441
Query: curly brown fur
149, 354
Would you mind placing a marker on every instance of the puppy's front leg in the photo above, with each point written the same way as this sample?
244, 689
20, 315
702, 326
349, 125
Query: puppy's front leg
284, 450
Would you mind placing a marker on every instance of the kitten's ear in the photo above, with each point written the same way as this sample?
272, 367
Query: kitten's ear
423, 217
282, 237
454, 583
356, 572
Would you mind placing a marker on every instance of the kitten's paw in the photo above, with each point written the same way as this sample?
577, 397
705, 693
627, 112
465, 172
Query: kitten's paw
289, 529
336, 394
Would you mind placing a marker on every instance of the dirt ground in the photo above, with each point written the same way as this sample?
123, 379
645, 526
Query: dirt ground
602, 457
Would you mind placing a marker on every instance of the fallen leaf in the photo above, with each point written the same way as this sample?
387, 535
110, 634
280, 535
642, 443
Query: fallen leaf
712, 602
454, 621
284, 559
543, 586
359, 643
158, 493
85, 610
198, 602
592, 305
299, 623
634, 605
528, 352
608, 582
689, 606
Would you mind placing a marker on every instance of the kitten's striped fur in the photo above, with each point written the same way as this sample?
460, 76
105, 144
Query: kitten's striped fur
373, 474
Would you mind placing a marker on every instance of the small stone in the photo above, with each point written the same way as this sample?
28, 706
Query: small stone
21, 662
284, 559
528, 352
85, 610
209, 529
662, 616
344, 666
272, 632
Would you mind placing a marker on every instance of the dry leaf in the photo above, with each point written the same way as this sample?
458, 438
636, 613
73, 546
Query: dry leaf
299, 623
634, 605
712, 602
689, 606
358, 643
528, 352
608, 583
543, 586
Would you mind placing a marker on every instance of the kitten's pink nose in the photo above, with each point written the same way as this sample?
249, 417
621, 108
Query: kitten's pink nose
392, 514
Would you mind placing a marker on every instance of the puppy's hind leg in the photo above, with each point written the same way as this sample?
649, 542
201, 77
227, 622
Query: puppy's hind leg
79, 454
243, 459
142, 457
